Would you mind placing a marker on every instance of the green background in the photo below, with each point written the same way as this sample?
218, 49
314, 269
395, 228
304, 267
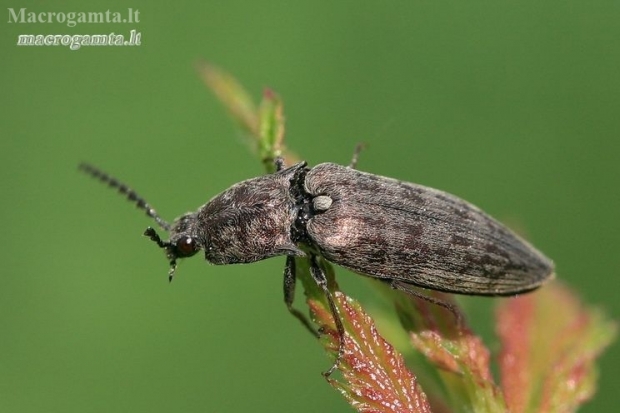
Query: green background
514, 106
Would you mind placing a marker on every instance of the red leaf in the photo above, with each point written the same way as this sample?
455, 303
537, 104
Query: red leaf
447, 343
549, 343
375, 376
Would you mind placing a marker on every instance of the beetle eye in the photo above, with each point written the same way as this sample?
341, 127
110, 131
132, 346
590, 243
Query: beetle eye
186, 246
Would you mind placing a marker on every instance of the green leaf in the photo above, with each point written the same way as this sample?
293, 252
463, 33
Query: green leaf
263, 124
233, 96
271, 129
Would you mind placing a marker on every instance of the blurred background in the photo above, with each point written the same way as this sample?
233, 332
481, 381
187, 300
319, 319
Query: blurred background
513, 106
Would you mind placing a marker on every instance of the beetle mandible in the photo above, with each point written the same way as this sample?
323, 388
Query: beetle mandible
403, 233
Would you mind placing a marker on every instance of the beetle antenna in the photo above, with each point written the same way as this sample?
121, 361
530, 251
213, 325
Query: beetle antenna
127, 191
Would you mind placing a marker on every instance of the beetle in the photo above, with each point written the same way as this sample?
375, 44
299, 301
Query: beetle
402, 233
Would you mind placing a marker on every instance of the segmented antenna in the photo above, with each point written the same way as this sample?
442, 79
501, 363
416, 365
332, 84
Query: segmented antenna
124, 190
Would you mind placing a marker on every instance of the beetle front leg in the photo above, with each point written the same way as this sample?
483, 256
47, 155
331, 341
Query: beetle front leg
290, 279
319, 277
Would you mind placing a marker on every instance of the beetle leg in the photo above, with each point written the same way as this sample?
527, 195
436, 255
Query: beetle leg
319, 277
290, 279
356, 154
154, 236
279, 162
410, 290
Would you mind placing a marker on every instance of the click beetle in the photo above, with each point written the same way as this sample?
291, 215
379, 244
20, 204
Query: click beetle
403, 233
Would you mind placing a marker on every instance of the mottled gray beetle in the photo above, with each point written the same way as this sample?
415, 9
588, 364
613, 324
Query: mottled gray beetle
403, 233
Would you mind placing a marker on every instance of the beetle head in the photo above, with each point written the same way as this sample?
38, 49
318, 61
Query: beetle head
182, 243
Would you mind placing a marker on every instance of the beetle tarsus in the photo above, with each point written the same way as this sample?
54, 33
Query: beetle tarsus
319, 277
